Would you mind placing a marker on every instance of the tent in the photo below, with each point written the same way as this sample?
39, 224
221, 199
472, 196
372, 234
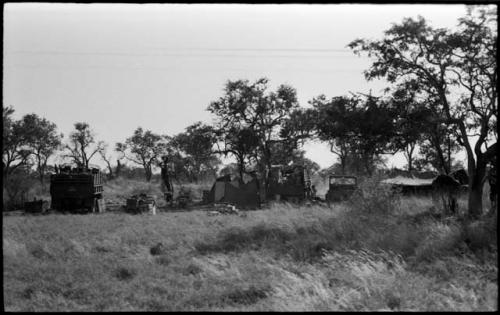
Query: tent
236, 192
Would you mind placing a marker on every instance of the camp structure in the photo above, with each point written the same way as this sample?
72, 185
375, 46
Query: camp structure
410, 185
232, 190
288, 183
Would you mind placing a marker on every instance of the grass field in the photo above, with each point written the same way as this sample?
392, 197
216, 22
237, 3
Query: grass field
374, 253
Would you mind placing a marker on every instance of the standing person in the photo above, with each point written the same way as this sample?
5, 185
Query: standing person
166, 184
308, 190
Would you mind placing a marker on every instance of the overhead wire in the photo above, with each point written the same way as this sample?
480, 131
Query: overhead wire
293, 53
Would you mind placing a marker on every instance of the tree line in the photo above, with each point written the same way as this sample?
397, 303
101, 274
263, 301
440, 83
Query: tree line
440, 97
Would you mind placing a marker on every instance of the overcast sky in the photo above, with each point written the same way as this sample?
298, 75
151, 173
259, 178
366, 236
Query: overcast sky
158, 66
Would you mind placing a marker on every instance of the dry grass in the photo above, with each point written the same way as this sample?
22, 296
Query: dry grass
393, 257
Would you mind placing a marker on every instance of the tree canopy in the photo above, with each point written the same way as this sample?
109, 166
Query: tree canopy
456, 70
143, 148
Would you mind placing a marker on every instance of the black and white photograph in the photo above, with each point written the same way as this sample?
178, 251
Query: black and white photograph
248, 157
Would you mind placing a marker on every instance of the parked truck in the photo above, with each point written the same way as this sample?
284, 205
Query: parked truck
77, 189
340, 187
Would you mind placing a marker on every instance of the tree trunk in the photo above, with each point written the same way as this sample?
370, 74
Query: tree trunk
368, 163
41, 172
475, 203
409, 156
147, 171
241, 166
118, 168
449, 154
442, 159
475, 191
110, 169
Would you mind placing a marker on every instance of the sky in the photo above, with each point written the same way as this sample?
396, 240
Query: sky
158, 66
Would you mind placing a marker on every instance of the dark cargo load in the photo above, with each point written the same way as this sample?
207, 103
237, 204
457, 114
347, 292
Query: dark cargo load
77, 190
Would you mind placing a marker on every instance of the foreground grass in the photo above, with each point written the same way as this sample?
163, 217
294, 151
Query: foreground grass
281, 259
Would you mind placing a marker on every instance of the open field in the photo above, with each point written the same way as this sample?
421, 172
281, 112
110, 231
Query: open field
359, 256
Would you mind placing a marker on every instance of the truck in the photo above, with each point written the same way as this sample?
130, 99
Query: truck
340, 187
77, 189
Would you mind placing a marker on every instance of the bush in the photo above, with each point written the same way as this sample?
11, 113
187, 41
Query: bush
158, 249
481, 234
125, 273
439, 240
236, 239
374, 197
246, 296
21, 187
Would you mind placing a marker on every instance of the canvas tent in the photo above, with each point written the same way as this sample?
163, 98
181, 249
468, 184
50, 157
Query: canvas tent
236, 192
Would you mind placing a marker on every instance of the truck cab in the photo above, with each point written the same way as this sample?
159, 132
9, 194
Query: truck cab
340, 187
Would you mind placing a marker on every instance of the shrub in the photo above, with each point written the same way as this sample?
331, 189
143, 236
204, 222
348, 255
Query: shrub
247, 296
440, 239
163, 260
158, 249
192, 269
125, 273
481, 234
21, 187
374, 197
236, 239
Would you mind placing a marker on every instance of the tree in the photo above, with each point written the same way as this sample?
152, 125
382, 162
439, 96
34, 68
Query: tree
241, 142
284, 152
103, 152
299, 126
196, 145
143, 148
247, 111
356, 129
446, 64
410, 116
15, 152
82, 145
374, 131
334, 124
42, 139
437, 152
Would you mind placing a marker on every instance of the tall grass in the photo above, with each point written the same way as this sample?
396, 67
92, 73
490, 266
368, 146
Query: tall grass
375, 252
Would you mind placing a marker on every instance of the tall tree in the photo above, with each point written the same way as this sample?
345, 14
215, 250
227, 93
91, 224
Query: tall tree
15, 152
446, 64
334, 125
196, 145
240, 142
82, 145
253, 112
43, 140
143, 148
356, 128
299, 126
103, 152
416, 125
